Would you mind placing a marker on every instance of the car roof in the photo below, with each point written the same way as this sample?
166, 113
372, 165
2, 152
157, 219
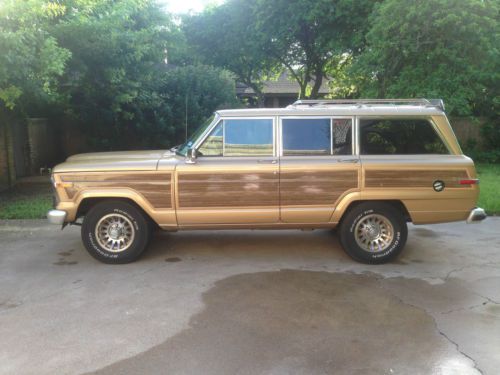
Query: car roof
348, 107
337, 110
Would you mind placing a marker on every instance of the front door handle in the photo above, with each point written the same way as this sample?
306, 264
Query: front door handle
267, 161
347, 160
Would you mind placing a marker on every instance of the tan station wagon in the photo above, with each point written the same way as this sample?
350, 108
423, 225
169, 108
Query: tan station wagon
367, 167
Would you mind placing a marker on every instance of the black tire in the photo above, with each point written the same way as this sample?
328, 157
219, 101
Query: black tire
131, 216
361, 214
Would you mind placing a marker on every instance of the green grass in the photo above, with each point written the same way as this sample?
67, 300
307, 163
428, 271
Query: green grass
489, 198
25, 208
24, 203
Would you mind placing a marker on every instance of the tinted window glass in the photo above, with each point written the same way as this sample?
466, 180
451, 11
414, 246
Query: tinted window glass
212, 146
248, 137
399, 137
306, 137
314, 136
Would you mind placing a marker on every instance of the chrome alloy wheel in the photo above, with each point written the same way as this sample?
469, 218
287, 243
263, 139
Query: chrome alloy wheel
374, 233
115, 232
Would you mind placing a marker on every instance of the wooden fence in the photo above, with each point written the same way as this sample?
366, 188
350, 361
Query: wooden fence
27, 145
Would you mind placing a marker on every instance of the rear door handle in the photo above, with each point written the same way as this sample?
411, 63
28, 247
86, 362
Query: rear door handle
267, 161
347, 160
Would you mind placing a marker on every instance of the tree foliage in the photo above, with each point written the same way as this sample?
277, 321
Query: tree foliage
118, 52
227, 36
437, 48
31, 59
311, 38
192, 94
102, 65
258, 39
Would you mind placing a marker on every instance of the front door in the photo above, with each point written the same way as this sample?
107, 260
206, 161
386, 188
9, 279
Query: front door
234, 180
317, 167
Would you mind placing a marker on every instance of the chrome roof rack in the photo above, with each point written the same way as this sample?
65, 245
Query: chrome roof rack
436, 103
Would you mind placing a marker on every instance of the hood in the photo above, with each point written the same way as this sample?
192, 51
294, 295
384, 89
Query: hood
113, 161
122, 155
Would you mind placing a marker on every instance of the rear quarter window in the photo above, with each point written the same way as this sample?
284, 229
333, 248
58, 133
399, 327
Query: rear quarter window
399, 137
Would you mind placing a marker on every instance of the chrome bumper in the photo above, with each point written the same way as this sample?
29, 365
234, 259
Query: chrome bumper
476, 215
56, 217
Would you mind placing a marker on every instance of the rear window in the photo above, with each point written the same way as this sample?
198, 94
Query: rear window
399, 137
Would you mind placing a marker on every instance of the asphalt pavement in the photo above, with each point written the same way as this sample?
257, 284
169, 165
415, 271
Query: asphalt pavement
250, 302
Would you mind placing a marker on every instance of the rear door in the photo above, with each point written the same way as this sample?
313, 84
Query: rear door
317, 166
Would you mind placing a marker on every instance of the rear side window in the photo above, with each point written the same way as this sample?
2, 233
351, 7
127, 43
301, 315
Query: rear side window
399, 137
318, 136
306, 137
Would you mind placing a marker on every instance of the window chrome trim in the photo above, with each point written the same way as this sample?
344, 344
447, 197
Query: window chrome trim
331, 135
355, 137
331, 118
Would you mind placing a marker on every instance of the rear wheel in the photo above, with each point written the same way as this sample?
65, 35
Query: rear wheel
115, 232
373, 232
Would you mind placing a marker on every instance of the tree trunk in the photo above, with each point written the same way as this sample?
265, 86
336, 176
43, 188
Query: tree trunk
318, 80
303, 88
260, 100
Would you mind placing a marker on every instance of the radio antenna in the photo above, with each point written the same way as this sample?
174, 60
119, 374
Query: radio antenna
186, 116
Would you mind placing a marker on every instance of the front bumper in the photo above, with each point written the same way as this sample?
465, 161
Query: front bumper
476, 215
56, 217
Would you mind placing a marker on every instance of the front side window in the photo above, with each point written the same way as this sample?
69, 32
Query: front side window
239, 137
248, 137
182, 149
316, 136
212, 145
399, 137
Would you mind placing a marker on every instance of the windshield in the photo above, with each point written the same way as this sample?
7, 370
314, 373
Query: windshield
182, 149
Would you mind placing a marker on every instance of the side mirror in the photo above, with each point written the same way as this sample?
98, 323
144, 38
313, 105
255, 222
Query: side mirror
191, 156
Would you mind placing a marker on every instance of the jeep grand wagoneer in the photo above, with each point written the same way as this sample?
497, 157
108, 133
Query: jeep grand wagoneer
366, 166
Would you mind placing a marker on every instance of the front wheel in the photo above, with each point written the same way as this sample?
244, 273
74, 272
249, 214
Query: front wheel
115, 232
373, 232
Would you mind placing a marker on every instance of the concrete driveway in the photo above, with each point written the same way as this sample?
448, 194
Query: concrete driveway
250, 302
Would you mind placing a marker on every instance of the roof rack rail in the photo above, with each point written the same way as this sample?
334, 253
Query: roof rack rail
437, 103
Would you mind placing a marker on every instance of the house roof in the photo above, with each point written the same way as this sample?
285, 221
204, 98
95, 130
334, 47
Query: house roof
283, 85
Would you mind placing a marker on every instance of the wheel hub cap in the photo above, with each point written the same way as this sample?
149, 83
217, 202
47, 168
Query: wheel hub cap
115, 232
374, 233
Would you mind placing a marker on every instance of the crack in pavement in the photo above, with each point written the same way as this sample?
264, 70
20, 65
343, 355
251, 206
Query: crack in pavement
441, 333
457, 347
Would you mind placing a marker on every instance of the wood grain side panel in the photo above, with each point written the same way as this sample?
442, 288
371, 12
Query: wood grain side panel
227, 189
155, 187
413, 178
315, 187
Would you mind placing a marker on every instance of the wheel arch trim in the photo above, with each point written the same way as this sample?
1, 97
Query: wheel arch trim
357, 197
